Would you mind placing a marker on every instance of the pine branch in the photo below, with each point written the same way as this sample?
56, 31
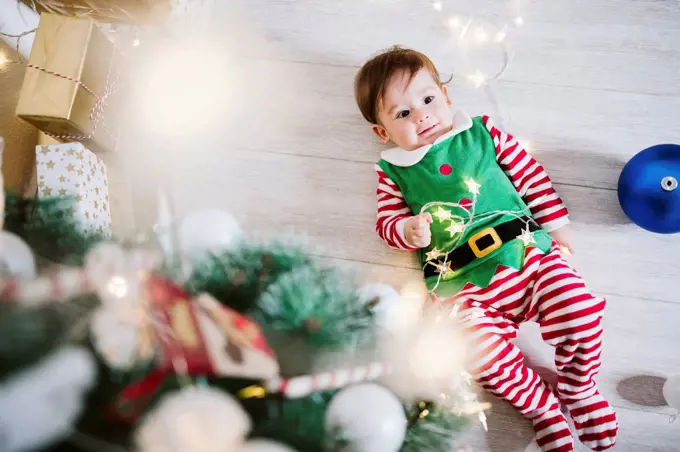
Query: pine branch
49, 228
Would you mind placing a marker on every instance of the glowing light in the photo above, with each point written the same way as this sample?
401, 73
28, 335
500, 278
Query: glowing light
472, 186
527, 145
173, 98
481, 36
455, 22
500, 36
118, 286
519, 21
3, 60
526, 237
424, 413
478, 78
135, 43
482, 419
455, 228
438, 6
442, 214
433, 254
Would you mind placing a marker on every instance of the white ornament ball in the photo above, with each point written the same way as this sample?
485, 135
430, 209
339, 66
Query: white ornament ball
671, 392
207, 230
16, 256
202, 418
369, 417
39, 405
264, 445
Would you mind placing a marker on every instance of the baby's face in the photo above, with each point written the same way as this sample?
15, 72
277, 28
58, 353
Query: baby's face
413, 114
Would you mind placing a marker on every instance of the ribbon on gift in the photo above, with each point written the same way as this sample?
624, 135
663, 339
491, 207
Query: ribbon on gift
111, 87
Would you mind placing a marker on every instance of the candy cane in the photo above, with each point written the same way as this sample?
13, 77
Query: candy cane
305, 385
65, 284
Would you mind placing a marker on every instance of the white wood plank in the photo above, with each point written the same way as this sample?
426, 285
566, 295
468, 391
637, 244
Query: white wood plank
633, 369
582, 137
627, 47
333, 203
509, 432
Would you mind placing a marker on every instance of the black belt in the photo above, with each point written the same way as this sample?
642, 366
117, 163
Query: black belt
480, 244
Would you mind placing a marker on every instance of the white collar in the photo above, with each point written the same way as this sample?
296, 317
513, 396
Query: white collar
400, 157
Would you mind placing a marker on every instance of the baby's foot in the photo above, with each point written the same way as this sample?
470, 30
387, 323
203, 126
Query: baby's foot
552, 431
595, 421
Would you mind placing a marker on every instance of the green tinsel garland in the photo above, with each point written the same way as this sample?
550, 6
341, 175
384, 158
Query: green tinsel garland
432, 428
49, 228
238, 276
301, 306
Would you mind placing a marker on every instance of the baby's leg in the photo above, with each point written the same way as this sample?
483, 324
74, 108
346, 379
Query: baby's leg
497, 365
570, 319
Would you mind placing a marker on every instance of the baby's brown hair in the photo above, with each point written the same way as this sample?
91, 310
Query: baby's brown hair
372, 78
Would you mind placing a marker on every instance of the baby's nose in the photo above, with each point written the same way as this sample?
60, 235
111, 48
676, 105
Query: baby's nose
423, 116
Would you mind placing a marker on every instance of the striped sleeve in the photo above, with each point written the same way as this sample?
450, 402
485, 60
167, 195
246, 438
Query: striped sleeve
393, 213
529, 178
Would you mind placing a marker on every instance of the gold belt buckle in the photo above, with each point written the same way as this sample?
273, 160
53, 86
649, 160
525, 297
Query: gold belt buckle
472, 241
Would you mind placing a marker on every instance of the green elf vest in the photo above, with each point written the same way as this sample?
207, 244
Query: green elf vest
459, 181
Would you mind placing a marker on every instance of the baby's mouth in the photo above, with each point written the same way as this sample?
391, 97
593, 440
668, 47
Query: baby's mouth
428, 130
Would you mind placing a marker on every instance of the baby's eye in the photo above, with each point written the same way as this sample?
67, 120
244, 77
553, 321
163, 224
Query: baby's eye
429, 99
403, 114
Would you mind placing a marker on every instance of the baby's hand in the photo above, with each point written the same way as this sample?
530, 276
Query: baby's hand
417, 230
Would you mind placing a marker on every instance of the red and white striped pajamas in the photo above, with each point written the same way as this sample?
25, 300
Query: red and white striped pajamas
546, 290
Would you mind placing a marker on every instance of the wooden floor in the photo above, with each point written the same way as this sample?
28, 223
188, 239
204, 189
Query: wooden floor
590, 83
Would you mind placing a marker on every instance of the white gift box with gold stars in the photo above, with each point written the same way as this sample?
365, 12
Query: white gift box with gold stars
70, 169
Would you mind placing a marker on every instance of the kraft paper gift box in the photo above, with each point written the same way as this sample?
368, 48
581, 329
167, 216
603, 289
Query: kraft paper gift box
113, 11
71, 170
72, 86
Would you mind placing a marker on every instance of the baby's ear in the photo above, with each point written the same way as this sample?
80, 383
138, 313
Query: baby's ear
381, 133
445, 90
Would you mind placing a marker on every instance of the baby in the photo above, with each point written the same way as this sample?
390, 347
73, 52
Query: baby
490, 231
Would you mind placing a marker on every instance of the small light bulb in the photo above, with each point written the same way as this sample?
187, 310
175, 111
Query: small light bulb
500, 36
118, 286
478, 78
481, 35
438, 6
3, 60
527, 145
519, 21
135, 43
454, 22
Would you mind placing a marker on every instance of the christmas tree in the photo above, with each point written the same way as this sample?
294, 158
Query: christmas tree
210, 340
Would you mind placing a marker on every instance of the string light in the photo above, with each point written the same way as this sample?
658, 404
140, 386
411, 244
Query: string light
3, 60
455, 22
438, 6
135, 43
472, 186
118, 286
519, 21
528, 145
500, 36
478, 78
481, 36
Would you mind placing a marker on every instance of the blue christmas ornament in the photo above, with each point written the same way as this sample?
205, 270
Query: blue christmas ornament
648, 189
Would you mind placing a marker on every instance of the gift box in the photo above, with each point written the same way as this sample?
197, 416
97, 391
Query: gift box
113, 11
71, 86
71, 170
